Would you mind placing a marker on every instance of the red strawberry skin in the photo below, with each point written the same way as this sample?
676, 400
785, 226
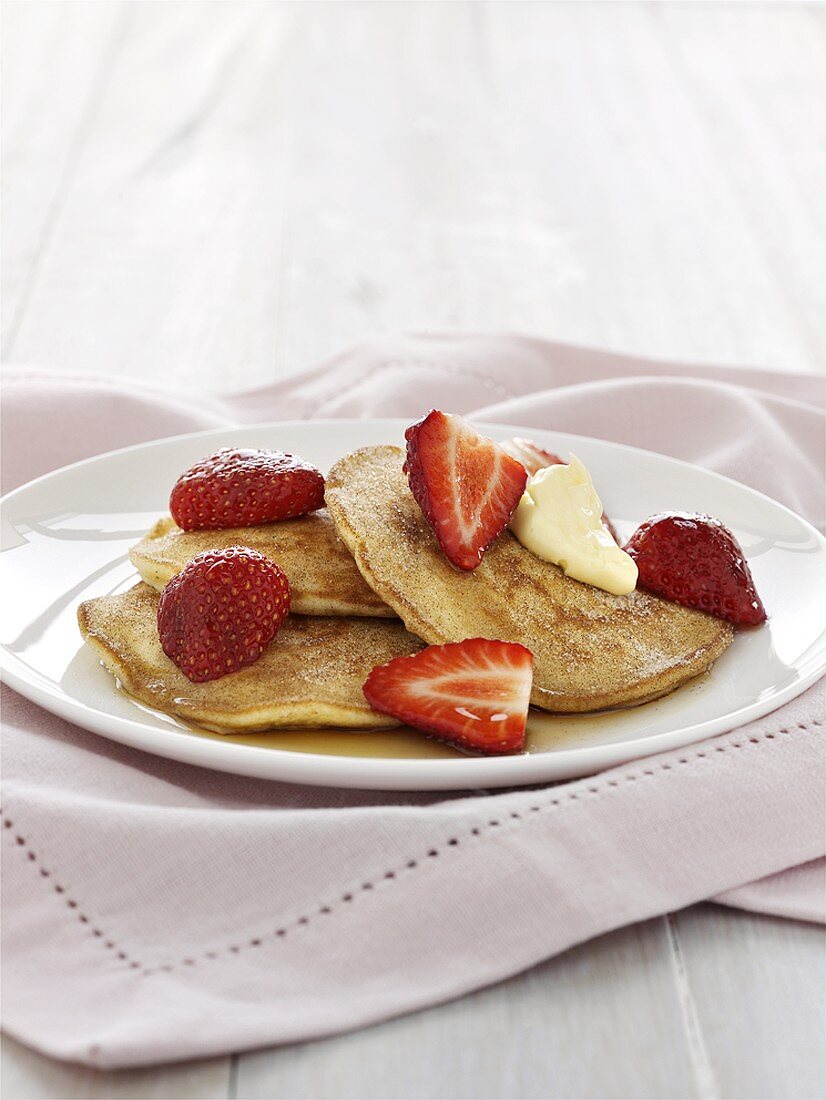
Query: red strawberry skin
696, 561
472, 694
464, 483
535, 458
244, 488
218, 614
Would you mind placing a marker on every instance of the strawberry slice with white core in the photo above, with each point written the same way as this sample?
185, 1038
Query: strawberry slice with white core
472, 694
464, 483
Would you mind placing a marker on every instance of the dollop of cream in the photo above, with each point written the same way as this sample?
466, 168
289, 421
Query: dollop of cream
559, 518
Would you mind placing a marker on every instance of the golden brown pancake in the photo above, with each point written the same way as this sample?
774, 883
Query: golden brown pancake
322, 574
592, 650
311, 674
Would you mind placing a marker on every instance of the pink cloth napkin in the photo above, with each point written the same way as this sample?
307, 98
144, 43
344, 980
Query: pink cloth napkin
157, 911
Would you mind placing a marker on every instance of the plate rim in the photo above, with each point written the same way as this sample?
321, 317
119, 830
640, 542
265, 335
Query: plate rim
393, 421
378, 772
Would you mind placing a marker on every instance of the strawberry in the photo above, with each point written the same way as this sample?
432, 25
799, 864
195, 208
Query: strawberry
530, 454
696, 561
535, 458
219, 613
472, 694
242, 488
464, 483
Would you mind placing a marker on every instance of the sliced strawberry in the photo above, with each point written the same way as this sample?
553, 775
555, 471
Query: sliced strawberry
244, 488
535, 458
696, 561
464, 483
530, 454
472, 694
219, 613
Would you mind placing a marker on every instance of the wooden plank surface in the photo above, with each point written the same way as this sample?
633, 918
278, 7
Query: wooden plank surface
757, 986
602, 1020
25, 1075
54, 66
706, 1003
252, 186
222, 193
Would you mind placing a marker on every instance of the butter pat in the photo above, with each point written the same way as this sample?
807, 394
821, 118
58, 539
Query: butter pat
559, 518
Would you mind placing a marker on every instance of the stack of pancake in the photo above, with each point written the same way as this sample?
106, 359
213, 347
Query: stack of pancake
369, 583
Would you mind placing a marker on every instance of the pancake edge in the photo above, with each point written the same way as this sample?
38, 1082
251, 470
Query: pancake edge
157, 571
554, 702
306, 715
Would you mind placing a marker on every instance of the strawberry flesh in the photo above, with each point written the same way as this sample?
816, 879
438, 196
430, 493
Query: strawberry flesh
696, 561
218, 614
244, 488
472, 694
465, 484
533, 457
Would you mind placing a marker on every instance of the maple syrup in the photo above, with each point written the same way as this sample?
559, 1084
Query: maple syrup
546, 732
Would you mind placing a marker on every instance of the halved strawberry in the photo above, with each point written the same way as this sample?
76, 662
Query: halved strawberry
243, 488
535, 458
464, 483
696, 561
218, 614
472, 694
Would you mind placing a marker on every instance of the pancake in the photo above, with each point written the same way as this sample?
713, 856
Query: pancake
592, 650
311, 674
322, 574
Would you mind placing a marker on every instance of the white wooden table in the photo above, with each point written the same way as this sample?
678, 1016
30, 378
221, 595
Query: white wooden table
219, 194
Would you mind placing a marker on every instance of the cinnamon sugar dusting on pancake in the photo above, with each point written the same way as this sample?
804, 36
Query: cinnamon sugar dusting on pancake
322, 574
311, 674
592, 650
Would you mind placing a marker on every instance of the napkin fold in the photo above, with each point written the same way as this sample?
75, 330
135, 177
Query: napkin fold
156, 911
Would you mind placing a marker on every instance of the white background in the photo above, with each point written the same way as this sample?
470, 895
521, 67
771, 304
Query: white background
215, 195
